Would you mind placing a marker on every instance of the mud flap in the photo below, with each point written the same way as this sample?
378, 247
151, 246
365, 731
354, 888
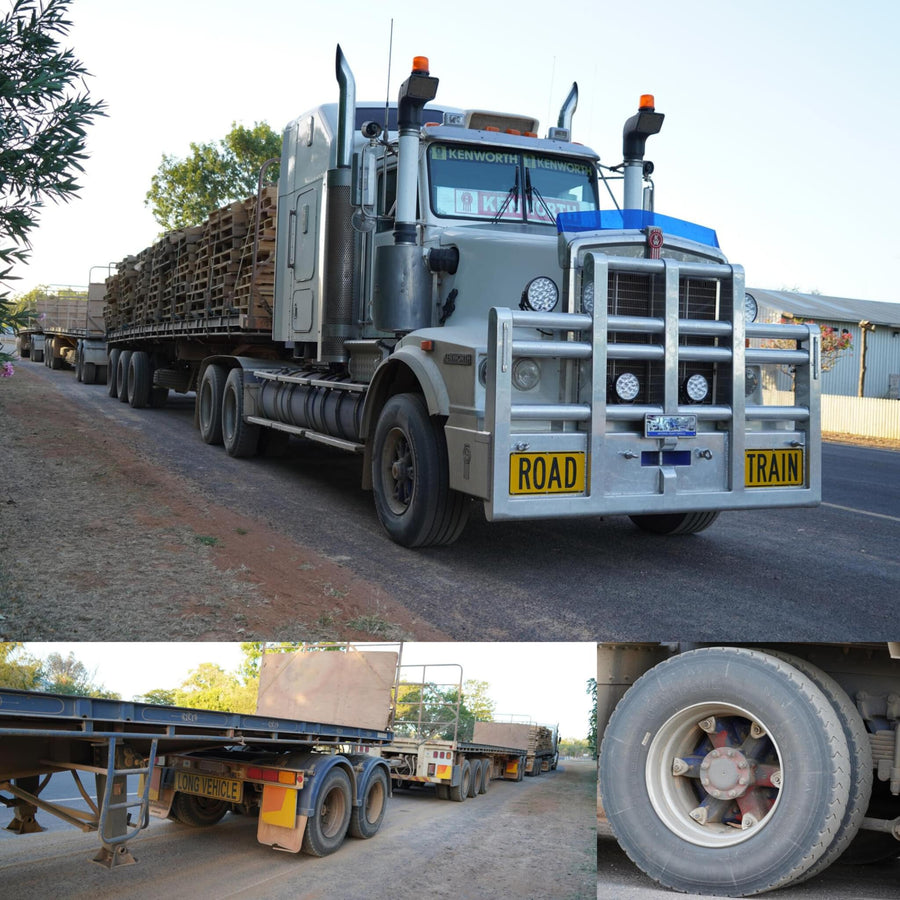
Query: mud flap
279, 825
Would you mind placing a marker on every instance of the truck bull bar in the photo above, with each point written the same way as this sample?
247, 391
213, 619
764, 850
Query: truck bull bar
627, 468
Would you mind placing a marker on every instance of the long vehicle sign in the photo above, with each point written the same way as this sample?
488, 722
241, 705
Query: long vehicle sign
209, 786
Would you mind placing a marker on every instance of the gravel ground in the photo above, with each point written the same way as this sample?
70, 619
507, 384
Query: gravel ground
98, 542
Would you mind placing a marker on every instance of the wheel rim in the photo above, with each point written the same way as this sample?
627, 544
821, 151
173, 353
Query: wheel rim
714, 774
398, 467
334, 807
375, 802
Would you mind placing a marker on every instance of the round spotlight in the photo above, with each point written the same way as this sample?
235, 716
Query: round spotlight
696, 388
627, 387
751, 380
751, 308
541, 295
526, 374
587, 298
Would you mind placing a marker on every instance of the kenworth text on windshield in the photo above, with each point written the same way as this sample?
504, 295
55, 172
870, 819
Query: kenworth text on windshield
446, 298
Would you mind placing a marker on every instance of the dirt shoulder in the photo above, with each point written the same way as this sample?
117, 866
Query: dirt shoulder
98, 542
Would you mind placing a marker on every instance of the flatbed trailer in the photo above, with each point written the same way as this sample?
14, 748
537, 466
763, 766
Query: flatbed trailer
312, 782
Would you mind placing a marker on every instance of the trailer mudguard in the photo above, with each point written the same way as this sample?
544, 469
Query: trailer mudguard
284, 811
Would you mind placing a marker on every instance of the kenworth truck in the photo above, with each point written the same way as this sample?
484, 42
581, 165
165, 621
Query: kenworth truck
736, 769
439, 291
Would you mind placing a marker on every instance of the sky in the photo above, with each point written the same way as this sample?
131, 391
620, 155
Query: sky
781, 128
543, 682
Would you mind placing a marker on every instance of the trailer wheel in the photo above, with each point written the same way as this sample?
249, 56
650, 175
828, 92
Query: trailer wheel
327, 826
88, 373
79, 362
460, 791
675, 523
725, 771
861, 771
198, 812
485, 776
56, 362
241, 439
37, 356
366, 819
410, 476
112, 369
140, 375
475, 780
209, 403
123, 367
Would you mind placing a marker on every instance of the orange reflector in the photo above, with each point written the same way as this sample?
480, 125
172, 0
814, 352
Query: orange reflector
491, 128
530, 134
647, 102
428, 346
513, 131
420, 64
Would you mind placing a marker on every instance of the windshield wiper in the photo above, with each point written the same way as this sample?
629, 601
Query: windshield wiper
511, 194
531, 192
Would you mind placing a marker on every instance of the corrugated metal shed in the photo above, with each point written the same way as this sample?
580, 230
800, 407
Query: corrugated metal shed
882, 344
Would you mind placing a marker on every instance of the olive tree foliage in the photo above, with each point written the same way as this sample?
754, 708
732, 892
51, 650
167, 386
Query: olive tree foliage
183, 192
45, 110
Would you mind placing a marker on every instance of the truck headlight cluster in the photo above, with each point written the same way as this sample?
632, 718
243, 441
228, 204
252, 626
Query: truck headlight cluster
751, 308
696, 388
627, 387
526, 373
541, 295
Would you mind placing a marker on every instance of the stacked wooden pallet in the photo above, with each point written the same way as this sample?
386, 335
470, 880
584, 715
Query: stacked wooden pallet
531, 738
222, 269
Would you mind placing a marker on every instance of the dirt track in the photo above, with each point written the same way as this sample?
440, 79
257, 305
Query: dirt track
99, 543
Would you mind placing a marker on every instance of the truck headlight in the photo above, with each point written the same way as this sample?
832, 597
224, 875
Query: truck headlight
751, 308
526, 373
696, 388
587, 297
541, 294
627, 387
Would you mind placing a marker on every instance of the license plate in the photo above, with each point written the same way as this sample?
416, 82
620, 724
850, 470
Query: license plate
773, 468
546, 473
209, 786
670, 426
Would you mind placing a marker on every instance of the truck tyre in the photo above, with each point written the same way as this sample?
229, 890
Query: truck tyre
486, 769
366, 819
89, 373
37, 356
140, 376
198, 812
674, 764
675, 523
475, 779
460, 791
327, 826
56, 361
123, 367
410, 476
112, 368
241, 438
79, 362
209, 404
861, 771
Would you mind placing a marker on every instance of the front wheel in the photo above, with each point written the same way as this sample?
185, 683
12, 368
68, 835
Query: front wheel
724, 771
675, 523
241, 438
209, 403
410, 476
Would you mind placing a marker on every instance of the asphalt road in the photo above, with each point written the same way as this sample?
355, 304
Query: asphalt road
619, 879
827, 573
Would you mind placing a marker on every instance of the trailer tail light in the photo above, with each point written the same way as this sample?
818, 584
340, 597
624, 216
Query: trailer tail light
275, 776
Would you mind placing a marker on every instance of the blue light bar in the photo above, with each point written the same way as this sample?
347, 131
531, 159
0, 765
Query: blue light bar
634, 219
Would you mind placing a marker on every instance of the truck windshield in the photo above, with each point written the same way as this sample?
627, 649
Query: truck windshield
506, 185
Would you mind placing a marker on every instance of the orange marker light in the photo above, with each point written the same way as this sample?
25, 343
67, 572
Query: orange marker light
647, 102
420, 64
427, 346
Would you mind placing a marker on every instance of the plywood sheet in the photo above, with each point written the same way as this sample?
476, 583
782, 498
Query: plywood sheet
513, 734
335, 688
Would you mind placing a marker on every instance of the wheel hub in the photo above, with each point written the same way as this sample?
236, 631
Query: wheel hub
725, 773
